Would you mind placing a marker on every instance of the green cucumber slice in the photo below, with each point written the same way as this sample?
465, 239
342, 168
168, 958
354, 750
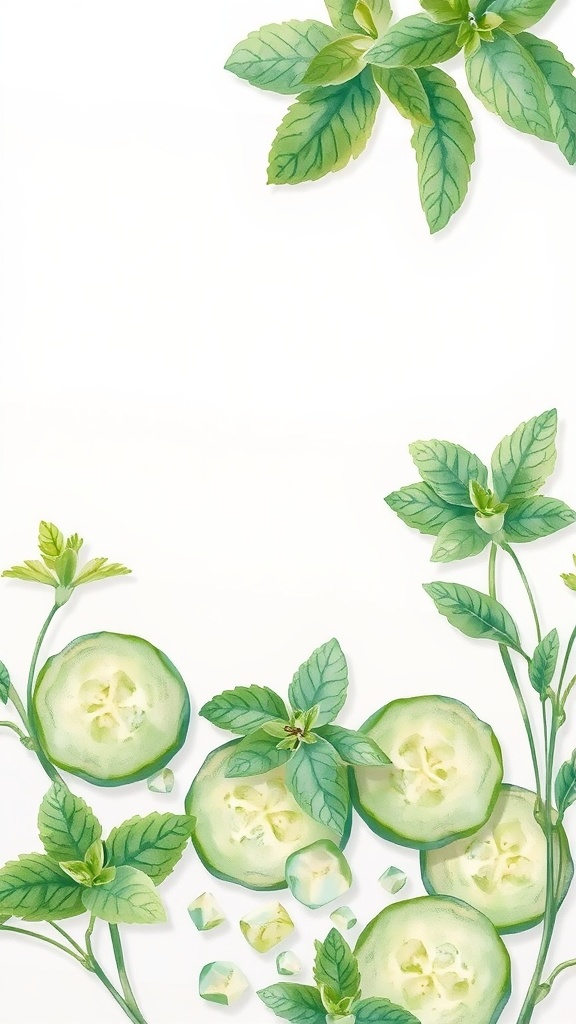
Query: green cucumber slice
111, 709
438, 958
501, 870
246, 828
444, 777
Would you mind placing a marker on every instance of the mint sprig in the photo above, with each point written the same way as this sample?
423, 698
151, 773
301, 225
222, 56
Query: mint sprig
302, 736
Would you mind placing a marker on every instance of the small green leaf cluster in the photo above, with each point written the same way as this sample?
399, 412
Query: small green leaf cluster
337, 997
114, 880
314, 751
340, 71
58, 566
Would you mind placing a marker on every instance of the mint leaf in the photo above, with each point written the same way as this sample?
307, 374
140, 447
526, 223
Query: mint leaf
130, 898
373, 16
560, 90
336, 966
415, 42
520, 14
66, 824
420, 507
245, 709
99, 569
405, 90
4, 683
446, 10
323, 130
448, 469
445, 148
50, 541
255, 755
353, 747
300, 1004
318, 782
337, 62
460, 538
35, 889
543, 664
381, 1011
342, 15
153, 844
277, 56
473, 613
524, 460
504, 77
536, 517
565, 786
32, 571
321, 681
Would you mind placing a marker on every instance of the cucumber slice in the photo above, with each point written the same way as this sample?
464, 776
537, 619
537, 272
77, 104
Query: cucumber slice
111, 709
438, 958
444, 777
501, 870
246, 828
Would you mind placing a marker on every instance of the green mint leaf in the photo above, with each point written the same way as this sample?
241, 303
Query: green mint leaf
342, 15
50, 540
65, 566
503, 76
318, 782
321, 681
543, 664
448, 469
336, 967
4, 918
337, 62
560, 90
536, 517
257, 754
4, 683
99, 569
473, 613
415, 42
569, 579
421, 508
381, 1011
153, 844
32, 571
35, 889
444, 10
245, 709
75, 542
460, 538
94, 858
66, 824
276, 728
565, 786
445, 148
405, 90
130, 898
77, 870
353, 747
519, 14
300, 1004
323, 130
524, 460
277, 56
373, 16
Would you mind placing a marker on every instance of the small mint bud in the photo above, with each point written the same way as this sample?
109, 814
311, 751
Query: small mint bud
490, 524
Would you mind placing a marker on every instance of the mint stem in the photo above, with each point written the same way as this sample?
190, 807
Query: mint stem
47, 766
121, 966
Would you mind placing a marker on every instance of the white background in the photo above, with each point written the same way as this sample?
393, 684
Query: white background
216, 382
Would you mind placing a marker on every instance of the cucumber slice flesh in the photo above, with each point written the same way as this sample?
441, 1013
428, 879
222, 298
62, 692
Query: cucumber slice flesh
444, 777
111, 708
438, 958
246, 828
501, 870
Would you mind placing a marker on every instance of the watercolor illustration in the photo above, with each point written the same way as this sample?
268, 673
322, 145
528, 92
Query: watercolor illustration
273, 808
341, 71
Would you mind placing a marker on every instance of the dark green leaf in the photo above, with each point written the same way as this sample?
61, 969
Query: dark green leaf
460, 538
35, 889
153, 844
318, 781
415, 42
353, 747
276, 57
130, 898
381, 1011
524, 460
255, 755
504, 77
4, 683
536, 517
419, 506
300, 1004
323, 681
543, 664
66, 824
336, 966
244, 709
448, 469
560, 90
520, 14
565, 787
473, 613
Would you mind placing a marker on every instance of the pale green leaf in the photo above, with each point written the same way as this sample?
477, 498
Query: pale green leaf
341, 14
244, 709
67, 826
130, 898
318, 782
300, 1004
444, 11
323, 130
32, 571
99, 569
536, 517
421, 508
473, 613
276, 56
560, 90
543, 663
448, 469
444, 148
504, 77
460, 538
518, 15
255, 755
405, 90
353, 747
4, 683
35, 889
373, 16
336, 966
50, 540
524, 460
323, 681
415, 42
153, 844
337, 62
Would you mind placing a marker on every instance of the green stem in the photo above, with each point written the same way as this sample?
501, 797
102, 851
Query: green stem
133, 1014
47, 766
508, 665
45, 938
120, 964
558, 970
571, 643
68, 938
10, 725
509, 551
14, 697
